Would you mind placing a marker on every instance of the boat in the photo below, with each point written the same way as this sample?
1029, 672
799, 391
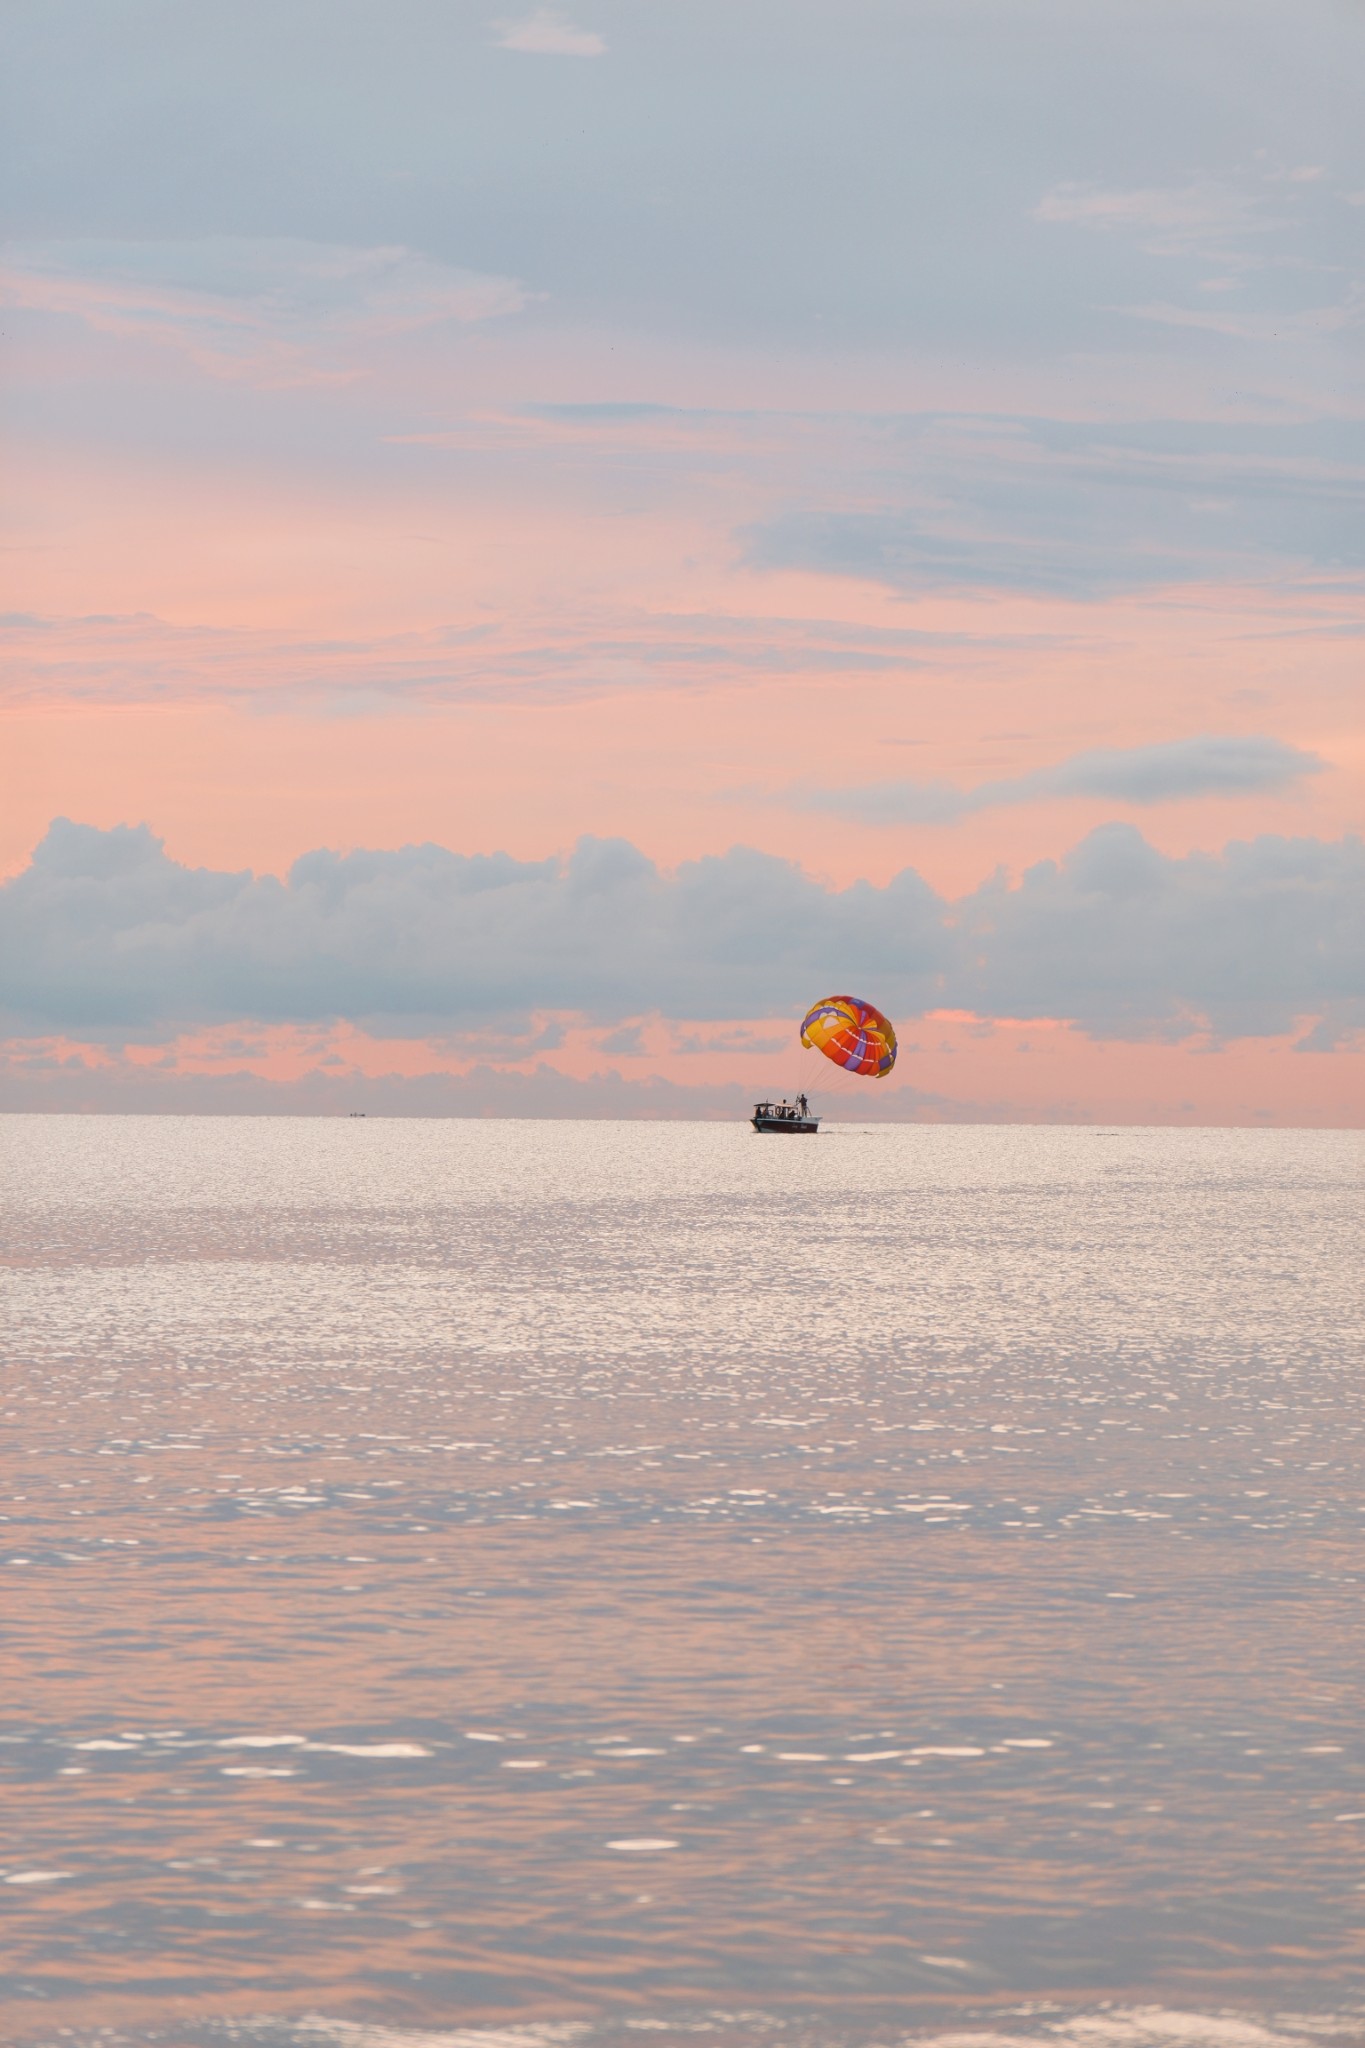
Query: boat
784, 1116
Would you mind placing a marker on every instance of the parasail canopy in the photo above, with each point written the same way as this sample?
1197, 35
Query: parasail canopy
851, 1033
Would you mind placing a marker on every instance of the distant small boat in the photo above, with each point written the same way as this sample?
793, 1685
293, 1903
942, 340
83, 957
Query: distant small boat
784, 1116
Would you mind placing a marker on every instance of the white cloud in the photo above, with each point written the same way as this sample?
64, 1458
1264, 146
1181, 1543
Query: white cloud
1082, 508
548, 33
1210, 764
267, 309
1200, 219
1263, 328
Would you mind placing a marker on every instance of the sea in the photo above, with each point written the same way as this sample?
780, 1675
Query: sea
509, 1584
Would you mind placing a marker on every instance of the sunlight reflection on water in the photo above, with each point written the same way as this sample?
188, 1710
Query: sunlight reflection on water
560, 1581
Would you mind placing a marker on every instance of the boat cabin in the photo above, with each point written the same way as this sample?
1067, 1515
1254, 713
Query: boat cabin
784, 1116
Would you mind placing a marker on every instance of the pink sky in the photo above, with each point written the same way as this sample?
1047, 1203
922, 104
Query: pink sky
332, 540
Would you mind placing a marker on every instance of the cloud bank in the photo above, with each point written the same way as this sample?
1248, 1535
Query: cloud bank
107, 939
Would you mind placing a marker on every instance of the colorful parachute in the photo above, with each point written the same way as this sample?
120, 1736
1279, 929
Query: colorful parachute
852, 1034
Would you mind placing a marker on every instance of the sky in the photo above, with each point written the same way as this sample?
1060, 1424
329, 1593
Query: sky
540, 541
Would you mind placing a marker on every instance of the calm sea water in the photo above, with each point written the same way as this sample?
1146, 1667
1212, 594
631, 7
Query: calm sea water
536, 1583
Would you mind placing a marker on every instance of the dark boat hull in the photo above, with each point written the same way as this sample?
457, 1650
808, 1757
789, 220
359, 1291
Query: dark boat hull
808, 1124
